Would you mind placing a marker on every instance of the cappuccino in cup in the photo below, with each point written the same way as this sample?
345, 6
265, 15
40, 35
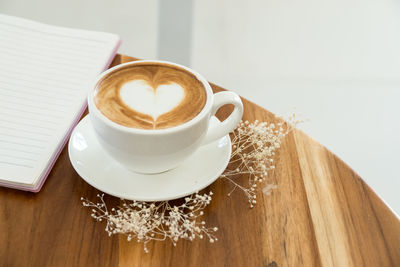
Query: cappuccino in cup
150, 96
152, 115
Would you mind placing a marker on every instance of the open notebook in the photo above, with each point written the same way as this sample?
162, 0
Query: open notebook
45, 75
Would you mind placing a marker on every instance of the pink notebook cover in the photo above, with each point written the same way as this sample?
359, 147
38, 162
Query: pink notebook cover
47, 171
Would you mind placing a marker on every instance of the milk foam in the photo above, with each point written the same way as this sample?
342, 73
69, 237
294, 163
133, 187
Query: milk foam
150, 96
142, 97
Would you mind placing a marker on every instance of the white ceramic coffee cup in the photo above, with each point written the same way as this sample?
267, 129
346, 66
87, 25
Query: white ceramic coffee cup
155, 151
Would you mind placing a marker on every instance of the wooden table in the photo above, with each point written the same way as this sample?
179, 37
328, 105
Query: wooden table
321, 214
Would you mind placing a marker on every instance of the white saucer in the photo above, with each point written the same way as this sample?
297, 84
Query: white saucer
98, 169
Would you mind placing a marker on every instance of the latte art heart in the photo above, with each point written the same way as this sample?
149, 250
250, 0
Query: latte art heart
142, 97
150, 96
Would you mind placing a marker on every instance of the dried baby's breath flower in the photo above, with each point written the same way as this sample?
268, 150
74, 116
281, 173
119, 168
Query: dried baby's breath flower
146, 221
254, 145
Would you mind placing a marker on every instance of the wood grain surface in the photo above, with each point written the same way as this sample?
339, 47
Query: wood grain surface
321, 214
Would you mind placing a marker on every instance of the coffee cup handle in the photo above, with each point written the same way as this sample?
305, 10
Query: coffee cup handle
230, 123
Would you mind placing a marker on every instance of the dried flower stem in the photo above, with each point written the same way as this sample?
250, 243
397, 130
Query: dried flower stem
146, 221
253, 150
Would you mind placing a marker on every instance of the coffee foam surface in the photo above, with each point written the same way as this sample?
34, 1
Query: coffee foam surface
150, 96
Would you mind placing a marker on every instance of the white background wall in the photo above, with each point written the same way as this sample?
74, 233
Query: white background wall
337, 61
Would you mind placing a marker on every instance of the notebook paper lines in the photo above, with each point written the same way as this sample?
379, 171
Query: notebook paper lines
53, 64
49, 44
39, 58
40, 61
15, 164
49, 37
51, 57
16, 76
40, 107
44, 78
38, 43
24, 65
24, 137
44, 99
47, 32
9, 151
20, 131
17, 157
17, 90
12, 108
30, 99
17, 84
20, 143
21, 122
25, 130
19, 150
27, 118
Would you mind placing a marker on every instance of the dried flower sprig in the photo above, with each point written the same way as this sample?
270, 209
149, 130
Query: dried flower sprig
146, 221
253, 149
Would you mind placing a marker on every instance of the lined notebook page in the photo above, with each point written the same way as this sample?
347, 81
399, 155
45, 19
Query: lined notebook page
45, 75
